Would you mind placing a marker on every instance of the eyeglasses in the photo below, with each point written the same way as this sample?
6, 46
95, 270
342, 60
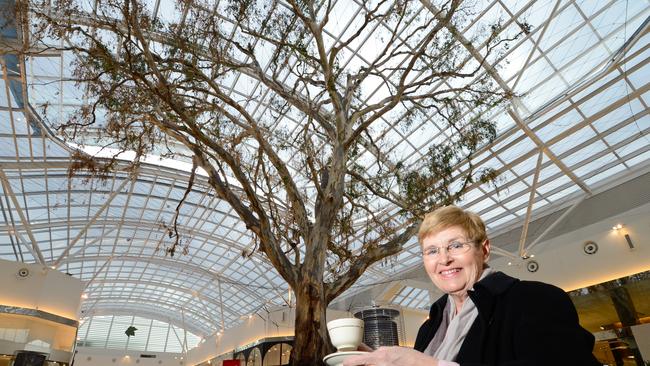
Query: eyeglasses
454, 248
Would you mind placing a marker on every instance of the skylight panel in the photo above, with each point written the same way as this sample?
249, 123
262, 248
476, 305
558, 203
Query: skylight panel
344, 18
639, 77
44, 90
98, 328
490, 12
470, 196
639, 144
572, 141
616, 14
641, 45
71, 93
497, 223
514, 6
632, 129
564, 23
43, 66
513, 62
554, 184
538, 12
413, 298
594, 165
565, 192
640, 158
605, 173
591, 7
537, 70
168, 11
481, 205
517, 150
3, 99
605, 97
545, 91
586, 64
581, 40
493, 212
516, 203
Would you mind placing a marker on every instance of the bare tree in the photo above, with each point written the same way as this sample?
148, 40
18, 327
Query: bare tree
315, 178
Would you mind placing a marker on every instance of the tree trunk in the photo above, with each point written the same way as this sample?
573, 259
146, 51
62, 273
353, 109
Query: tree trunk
311, 342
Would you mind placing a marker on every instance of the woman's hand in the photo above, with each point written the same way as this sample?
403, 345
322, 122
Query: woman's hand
391, 356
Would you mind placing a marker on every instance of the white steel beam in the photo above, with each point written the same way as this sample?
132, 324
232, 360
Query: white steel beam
149, 224
98, 272
184, 290
556, 222
502, 252
83, 231
223, 324
531, 201
536, 43
26, 225
90, 243
542, 146
176, 265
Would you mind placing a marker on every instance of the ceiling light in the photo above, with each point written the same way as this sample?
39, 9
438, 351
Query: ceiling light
629, 241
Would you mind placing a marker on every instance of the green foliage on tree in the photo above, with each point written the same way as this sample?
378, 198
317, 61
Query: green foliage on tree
130, 331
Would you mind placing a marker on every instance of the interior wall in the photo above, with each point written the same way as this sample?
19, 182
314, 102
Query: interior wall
42, 289
106, 357
412, 319
563, 262
36, 287
22, 332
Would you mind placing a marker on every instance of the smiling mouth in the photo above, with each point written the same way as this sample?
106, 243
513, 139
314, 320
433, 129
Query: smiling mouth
449, 272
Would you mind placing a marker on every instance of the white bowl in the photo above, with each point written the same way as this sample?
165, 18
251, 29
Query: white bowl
346, 334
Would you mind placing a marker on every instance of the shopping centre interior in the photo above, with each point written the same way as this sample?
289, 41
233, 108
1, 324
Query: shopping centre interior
80, 258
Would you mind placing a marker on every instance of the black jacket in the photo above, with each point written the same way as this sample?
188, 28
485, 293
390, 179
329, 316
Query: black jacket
519, 323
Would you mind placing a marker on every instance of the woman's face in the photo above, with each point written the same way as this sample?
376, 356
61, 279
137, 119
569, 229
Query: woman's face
454, 274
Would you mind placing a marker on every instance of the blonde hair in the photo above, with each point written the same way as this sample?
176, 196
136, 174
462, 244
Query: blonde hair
448, 216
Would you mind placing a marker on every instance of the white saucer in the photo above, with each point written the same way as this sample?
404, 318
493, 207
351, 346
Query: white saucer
336, 359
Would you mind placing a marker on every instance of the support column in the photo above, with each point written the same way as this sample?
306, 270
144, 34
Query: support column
628, 317
626, 313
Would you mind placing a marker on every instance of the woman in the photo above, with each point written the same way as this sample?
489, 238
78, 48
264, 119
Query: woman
486, 317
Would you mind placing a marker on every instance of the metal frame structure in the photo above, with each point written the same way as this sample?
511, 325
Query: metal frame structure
579, 123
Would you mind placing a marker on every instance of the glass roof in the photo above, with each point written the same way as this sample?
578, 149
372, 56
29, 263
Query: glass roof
579, 121
107, 331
